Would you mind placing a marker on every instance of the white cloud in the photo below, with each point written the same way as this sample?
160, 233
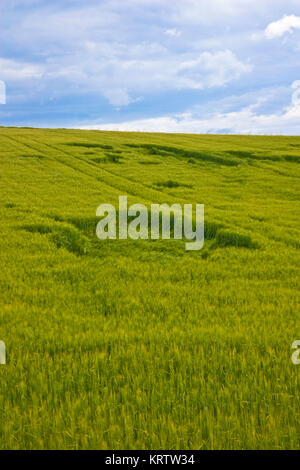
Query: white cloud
12, 70
285, 25
213, 69
120, 78
173, 33
296, 94
244, 121
122, 74
120, 50
216, 12
118, 97
114, 51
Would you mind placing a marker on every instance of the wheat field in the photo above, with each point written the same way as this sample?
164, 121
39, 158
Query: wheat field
123, 344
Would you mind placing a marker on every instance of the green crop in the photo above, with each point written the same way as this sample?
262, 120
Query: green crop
123, 344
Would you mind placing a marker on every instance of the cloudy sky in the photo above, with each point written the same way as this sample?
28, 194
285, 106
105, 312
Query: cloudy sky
199, 66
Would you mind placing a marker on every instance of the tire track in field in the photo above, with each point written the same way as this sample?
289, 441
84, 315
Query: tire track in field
55, 158
130, 181
126, 181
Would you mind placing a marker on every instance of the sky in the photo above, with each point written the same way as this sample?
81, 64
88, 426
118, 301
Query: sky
191, 66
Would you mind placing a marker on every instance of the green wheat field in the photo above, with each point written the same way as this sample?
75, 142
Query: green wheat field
123, 344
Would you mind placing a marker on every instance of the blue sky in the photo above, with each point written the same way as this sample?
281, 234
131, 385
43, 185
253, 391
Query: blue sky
217, 66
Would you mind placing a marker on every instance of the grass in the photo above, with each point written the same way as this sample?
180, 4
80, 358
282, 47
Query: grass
140, 344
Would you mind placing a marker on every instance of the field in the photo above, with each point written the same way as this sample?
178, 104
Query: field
139, 344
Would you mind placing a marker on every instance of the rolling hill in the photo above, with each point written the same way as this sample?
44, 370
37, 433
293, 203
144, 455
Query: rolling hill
123, 344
